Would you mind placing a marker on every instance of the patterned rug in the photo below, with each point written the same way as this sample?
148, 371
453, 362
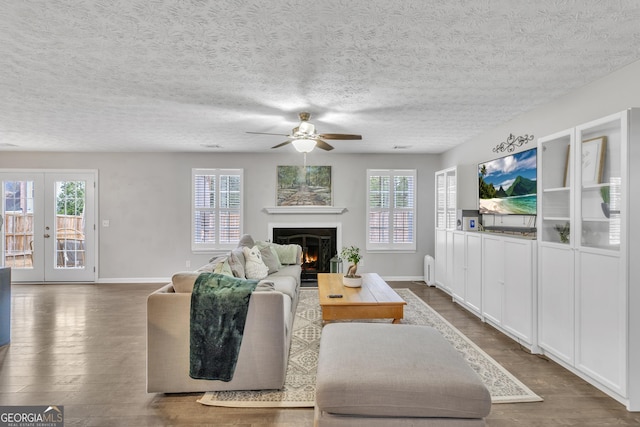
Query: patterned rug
299, 388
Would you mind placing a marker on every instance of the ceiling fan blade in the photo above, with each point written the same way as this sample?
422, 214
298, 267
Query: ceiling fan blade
282, 144
266, 133
339, 136
323, 145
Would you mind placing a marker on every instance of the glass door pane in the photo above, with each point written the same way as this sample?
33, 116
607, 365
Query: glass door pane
70, 224
69, 229
440, 200
18, 224
599, 146
451, 200
555, 156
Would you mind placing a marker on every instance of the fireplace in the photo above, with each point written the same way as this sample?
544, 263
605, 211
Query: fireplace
319, 245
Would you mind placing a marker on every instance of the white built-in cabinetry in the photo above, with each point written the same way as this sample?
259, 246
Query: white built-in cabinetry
588, 296
466, 283
508, 286
576, 296
446, 204
491, 275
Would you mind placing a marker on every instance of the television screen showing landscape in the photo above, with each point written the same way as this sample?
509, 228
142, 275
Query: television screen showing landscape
508, 185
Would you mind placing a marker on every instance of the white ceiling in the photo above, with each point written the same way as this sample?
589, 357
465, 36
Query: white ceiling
176, 75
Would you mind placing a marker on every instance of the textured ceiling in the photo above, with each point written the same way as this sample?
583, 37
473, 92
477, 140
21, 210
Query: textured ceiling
177, 75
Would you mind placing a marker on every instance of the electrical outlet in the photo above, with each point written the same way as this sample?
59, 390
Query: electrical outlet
187, 264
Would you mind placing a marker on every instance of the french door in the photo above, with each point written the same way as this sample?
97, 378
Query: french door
49, 228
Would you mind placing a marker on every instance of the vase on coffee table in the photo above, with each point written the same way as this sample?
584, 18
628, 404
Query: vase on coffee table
352, 282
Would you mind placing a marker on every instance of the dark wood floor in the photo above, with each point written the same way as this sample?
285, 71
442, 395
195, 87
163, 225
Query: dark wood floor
83, 346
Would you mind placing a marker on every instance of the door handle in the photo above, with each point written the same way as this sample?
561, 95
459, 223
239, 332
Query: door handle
46, 236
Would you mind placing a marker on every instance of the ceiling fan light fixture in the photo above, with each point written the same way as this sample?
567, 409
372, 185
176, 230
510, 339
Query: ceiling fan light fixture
304, 145
306, 128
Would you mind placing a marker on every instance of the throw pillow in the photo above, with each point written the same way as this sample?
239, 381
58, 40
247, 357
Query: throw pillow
254, 267
246, 240
237, 262
224, 268
270, 246
270, 260
213, 264
287, 254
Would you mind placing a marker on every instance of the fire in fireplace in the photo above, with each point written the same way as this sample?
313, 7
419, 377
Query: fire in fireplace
318, 247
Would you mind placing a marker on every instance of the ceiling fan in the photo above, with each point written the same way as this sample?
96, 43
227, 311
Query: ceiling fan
305, 138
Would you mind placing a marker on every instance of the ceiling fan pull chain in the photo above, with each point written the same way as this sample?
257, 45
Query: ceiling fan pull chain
305, 160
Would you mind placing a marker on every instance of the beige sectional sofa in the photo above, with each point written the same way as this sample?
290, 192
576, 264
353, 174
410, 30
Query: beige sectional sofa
264, 353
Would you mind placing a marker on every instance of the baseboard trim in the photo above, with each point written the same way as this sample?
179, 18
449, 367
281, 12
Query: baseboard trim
104, 280
403, 278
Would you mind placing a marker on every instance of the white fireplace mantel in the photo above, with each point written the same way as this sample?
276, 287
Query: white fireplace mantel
271, 210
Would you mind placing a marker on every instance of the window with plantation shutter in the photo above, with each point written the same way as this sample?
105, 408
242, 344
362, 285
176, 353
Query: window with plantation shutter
217, 208
391, 210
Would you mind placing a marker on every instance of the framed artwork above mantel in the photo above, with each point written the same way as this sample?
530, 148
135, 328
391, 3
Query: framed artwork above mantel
304, 186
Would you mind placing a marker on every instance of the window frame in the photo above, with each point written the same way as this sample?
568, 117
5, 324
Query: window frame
390, 246
217, 210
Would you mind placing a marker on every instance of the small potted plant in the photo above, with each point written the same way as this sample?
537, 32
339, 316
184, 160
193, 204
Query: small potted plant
352, 254
604, 193
563, 232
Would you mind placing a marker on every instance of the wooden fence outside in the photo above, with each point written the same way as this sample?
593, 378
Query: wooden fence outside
18, 232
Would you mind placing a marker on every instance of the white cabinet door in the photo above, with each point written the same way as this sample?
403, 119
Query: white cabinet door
519, 276
458, 266
449, 267
441, 257
492, 278
473, 257
556, 301
600, 319
508, 277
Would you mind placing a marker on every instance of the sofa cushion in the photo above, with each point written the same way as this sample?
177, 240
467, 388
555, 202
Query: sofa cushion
285, 284
265, 286
183, 281
292, 271
254, 267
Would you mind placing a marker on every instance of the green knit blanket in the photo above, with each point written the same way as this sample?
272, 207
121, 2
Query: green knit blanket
219, 307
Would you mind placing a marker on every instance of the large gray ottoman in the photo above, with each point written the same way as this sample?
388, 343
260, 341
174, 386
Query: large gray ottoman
377, 374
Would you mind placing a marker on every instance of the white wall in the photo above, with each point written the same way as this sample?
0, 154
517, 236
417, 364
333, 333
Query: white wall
146, 198
611, 94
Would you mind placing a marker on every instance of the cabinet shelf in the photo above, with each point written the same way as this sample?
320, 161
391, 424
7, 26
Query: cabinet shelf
595, 186
595, 219
556, 218
556, 190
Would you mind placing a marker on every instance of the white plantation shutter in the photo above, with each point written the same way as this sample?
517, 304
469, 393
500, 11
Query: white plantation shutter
391, 209
217, 208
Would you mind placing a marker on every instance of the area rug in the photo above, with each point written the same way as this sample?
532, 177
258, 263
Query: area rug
299, 388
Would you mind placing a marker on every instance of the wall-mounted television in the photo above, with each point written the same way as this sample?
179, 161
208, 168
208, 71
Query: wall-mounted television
508, 185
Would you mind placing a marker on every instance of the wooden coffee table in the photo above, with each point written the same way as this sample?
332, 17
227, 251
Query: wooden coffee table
374, 300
